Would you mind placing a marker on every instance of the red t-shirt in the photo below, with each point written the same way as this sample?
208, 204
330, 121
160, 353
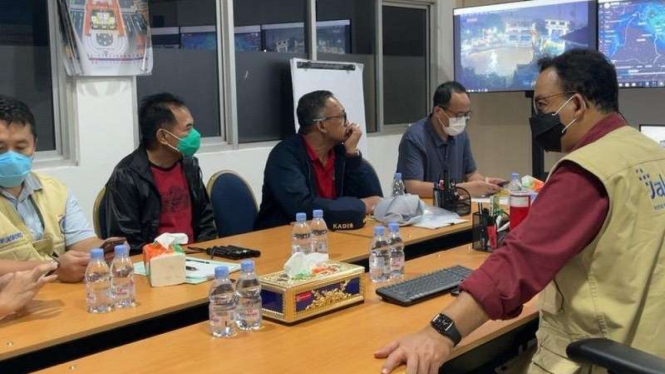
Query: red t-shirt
176, 212
324, 174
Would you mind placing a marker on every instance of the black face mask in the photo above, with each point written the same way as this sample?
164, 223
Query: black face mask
547, 130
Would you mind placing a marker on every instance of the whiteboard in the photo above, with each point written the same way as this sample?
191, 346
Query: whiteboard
346, 85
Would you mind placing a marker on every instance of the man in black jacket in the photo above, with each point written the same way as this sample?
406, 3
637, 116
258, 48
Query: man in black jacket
319, 168
158, 187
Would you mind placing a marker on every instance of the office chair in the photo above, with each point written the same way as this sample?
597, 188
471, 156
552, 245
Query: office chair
233, 203
99, 214
617, 358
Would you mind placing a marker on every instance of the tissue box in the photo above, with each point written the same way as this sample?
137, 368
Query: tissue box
333, 285
164, 266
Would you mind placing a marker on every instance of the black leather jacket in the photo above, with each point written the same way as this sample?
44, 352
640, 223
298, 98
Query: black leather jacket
132, 204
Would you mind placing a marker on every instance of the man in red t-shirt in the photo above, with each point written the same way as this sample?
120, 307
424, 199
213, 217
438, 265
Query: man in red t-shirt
158, 188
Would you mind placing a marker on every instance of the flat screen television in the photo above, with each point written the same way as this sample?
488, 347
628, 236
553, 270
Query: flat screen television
247, 38
198, 37
497, 47
631, 33
333, 37
655, 132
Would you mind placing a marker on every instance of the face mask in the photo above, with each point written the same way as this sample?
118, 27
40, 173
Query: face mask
189, 144
456, 125
547, 129
14, 168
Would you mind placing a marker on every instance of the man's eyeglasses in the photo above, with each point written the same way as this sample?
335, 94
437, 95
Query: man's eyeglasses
539, 104
456, 115
341, 116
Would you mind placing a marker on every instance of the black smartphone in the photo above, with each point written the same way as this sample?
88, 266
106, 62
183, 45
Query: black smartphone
503, 183
110, 243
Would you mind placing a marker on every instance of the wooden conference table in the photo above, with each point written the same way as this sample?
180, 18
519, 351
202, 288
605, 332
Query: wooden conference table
341, 342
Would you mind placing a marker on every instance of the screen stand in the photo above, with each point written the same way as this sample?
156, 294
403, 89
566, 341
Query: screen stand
537, 153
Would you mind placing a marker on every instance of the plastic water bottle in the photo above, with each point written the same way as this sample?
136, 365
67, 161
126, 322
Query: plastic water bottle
301, 239
98, 283
222, 307
515, 184
319, 232
122, 272
248, 291
398, 185
379, 256
396, 251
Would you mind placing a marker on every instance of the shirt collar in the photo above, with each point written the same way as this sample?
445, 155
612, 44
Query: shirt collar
438, 140
600, 129
312, 154
30, 185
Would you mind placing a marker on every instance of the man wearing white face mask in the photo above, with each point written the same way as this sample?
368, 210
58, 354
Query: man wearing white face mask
438, 145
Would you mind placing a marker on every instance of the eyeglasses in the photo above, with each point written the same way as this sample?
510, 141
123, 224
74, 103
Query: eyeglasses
456, 115
341, 116
538, 103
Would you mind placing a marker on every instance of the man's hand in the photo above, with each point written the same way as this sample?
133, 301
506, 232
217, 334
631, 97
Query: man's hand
20, 287
353, 135
371, 203
480, 188
423, 352
72, 266
498, 181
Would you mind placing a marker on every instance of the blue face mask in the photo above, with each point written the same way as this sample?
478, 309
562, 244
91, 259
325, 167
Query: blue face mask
14, 168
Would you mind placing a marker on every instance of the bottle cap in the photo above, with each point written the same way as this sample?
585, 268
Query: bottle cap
221, 272
317, 213
301, 217
97, 254
394, 227
379, 230
247, 265
121, 250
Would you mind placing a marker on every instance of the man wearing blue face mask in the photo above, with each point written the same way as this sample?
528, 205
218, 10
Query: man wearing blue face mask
40, 220
158, 187
438, 145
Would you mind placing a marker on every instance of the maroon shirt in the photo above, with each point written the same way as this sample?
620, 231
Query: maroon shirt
567, 215
176, 212
324, 174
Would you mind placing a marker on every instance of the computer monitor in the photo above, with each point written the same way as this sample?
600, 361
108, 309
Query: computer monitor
655, 132
497, 47
198, 37
247, 38
631, 34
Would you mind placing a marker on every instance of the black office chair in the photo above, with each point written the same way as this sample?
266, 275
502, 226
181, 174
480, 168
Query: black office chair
617, 358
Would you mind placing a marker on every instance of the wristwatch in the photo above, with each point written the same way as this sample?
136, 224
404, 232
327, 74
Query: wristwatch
446, 327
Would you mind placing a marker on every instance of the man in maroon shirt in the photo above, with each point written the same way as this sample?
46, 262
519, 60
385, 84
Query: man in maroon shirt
576, 98
158, 187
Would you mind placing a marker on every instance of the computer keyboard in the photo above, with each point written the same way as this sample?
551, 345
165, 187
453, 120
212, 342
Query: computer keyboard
423, 287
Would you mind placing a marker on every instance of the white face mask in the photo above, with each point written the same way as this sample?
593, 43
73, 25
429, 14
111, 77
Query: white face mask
456, 125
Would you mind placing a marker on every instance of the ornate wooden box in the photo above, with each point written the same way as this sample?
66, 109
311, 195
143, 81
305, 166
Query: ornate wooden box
333, 285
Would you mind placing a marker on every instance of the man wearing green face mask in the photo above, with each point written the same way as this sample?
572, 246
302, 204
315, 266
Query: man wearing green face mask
158, 187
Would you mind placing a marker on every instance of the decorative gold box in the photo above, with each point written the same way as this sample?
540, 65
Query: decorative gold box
333, 285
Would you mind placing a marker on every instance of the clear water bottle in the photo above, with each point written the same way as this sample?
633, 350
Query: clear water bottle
398, 185
515, 184
379, 256
222, 307
301, 239
122, 272
98, 283
248, 291
396, 251
319, 232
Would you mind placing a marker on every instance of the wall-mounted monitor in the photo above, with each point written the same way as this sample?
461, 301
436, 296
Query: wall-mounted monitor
631, 33
655, 132
247, 38
165, 37
497, 47
198, 37
332, 36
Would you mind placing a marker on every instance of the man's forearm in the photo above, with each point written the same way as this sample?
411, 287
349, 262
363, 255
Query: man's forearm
467, 314
420, 188
475, 176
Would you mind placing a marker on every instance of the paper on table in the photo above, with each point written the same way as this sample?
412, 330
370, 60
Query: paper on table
205, 269
435, 217
486, 200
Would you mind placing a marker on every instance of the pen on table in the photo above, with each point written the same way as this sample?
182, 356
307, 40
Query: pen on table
197, 260
191, 268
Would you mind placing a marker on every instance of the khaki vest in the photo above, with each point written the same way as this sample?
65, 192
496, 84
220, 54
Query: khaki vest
16, 241
615, 287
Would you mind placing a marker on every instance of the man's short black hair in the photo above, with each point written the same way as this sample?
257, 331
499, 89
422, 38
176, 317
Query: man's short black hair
445, 91
311, 107
154, 113
589, 73
14, 111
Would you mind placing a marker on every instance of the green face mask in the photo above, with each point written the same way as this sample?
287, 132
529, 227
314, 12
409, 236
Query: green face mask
189, 144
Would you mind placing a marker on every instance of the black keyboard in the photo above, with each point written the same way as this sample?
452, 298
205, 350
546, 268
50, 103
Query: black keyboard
423, 287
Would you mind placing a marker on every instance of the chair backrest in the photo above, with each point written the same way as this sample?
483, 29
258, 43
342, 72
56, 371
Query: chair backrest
233, 203
99, 214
